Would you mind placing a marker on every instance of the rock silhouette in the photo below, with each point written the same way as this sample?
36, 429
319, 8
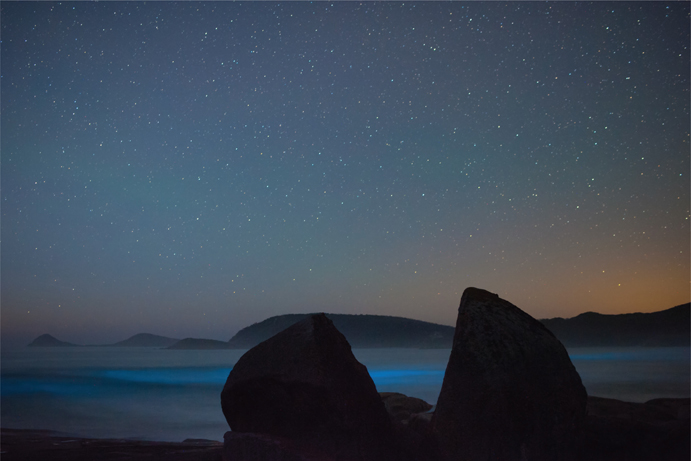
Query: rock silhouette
401, 407
47, 340
305, 385
249, 446
510, 391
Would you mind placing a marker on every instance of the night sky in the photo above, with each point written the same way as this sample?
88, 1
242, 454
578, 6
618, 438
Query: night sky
187, 169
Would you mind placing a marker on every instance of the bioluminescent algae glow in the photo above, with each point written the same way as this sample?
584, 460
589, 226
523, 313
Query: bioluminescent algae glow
170, 376
19, 385
664, 354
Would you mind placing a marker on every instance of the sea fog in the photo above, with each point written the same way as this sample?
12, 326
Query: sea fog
172, 395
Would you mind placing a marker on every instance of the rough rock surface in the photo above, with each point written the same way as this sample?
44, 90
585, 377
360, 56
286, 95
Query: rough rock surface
33, 445
305, 385
510, 391
401, 407
627, 431
243, 446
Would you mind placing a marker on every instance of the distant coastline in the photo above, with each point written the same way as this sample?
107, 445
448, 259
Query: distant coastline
665, 328
656, 329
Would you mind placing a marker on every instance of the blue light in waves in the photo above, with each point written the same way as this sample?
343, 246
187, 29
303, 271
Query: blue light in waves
381, 377
12, 386
603, 356
170, 376
384, 374
652, 354
219, 376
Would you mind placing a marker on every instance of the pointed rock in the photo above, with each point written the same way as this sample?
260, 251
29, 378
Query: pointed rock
304, 384
510, 391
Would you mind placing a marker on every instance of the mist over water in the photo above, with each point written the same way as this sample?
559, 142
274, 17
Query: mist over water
634, 374
158, 394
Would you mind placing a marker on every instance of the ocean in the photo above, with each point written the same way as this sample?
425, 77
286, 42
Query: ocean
172, 395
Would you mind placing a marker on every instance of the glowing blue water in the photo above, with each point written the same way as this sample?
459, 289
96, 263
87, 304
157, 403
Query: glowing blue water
665, 354
172, 395
17, 385
171, 375
393, 376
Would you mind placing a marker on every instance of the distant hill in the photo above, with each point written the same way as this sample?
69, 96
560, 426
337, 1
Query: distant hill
147, 340
670, 327
361, 331
196, 343
50, 341
139, 340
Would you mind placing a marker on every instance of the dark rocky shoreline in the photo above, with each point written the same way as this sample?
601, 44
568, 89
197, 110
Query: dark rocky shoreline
32, 445
614, 430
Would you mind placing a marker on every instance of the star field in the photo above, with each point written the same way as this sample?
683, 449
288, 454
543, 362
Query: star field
187, 169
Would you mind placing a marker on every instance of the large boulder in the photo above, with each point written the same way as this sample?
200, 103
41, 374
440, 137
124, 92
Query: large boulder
510, 391
305, 385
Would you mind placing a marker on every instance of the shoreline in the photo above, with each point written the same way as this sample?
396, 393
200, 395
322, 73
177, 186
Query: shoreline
615, 430
32, 444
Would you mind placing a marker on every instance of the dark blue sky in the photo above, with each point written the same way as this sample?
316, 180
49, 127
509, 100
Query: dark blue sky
187, 169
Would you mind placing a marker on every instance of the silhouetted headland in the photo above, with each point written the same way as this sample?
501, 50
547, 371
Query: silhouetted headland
670, 327
138, 340
657, 329
47, 340
147, 340
362, 331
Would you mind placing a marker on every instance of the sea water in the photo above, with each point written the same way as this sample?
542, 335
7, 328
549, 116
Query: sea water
172, 395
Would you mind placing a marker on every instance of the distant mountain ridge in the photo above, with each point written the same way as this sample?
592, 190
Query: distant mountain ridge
147, 340
670, 327
361, 331
138, 340
47, 340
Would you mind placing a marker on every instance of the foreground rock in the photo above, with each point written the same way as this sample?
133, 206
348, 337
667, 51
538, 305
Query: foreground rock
249, 446
510, 391
304, 385
627, 431
32, 445
401, 407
